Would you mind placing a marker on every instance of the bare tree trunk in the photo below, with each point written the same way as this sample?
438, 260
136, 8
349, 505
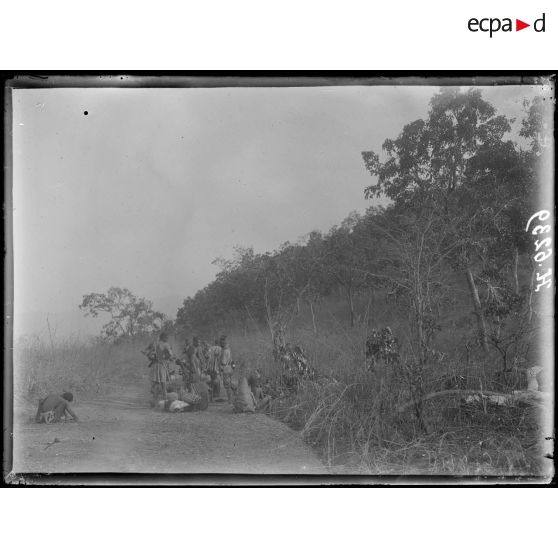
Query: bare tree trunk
351, 305
421, 337
270, 321
531, 285
478, 309
313, 317
367, 314
50, 336
515, 265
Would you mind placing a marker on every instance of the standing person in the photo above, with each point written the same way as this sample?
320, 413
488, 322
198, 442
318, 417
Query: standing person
226, 367
214, 368
187, 346
196, 359
205, 352
162, 353
200, 355
53, 407
184, 364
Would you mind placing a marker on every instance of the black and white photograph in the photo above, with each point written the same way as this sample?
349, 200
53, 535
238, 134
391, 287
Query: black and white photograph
325, 277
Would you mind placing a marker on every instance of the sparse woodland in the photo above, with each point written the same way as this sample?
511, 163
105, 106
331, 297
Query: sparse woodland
446, 263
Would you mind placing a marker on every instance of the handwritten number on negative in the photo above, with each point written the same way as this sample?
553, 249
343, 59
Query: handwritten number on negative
541, 229
544, 242
543, 215
546, 280
543, 256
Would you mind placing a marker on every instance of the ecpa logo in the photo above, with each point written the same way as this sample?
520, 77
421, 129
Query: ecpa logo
494, 24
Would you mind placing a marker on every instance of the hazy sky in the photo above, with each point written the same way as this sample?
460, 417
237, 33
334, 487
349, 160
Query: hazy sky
149, 187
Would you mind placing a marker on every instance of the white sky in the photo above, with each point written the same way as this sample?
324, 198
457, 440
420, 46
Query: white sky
153, 184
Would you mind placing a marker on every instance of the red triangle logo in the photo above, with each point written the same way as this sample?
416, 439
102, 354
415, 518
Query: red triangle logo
519, 25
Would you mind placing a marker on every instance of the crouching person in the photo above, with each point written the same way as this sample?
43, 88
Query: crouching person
201, 390
53, 407
255, 384
243, 400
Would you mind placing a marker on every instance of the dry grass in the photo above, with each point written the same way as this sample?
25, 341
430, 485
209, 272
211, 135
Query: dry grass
44, 365
350, 416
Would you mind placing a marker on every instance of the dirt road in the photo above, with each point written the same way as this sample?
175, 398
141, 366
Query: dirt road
121, 433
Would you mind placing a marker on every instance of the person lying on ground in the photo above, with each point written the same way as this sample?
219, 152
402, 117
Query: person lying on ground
53, 407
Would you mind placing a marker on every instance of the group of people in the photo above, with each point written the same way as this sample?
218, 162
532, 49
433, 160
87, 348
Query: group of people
211, 363
200, 363
381, 346
207, 375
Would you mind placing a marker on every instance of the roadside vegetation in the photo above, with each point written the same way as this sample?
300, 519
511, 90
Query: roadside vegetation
46, 364
446, 265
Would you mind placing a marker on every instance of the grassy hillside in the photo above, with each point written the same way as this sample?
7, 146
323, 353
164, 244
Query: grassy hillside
350, 415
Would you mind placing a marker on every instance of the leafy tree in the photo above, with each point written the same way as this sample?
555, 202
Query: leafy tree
314, 260
452, 160
535, 126
303, 269
413, 265
262, 289
344, 259
130, 315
